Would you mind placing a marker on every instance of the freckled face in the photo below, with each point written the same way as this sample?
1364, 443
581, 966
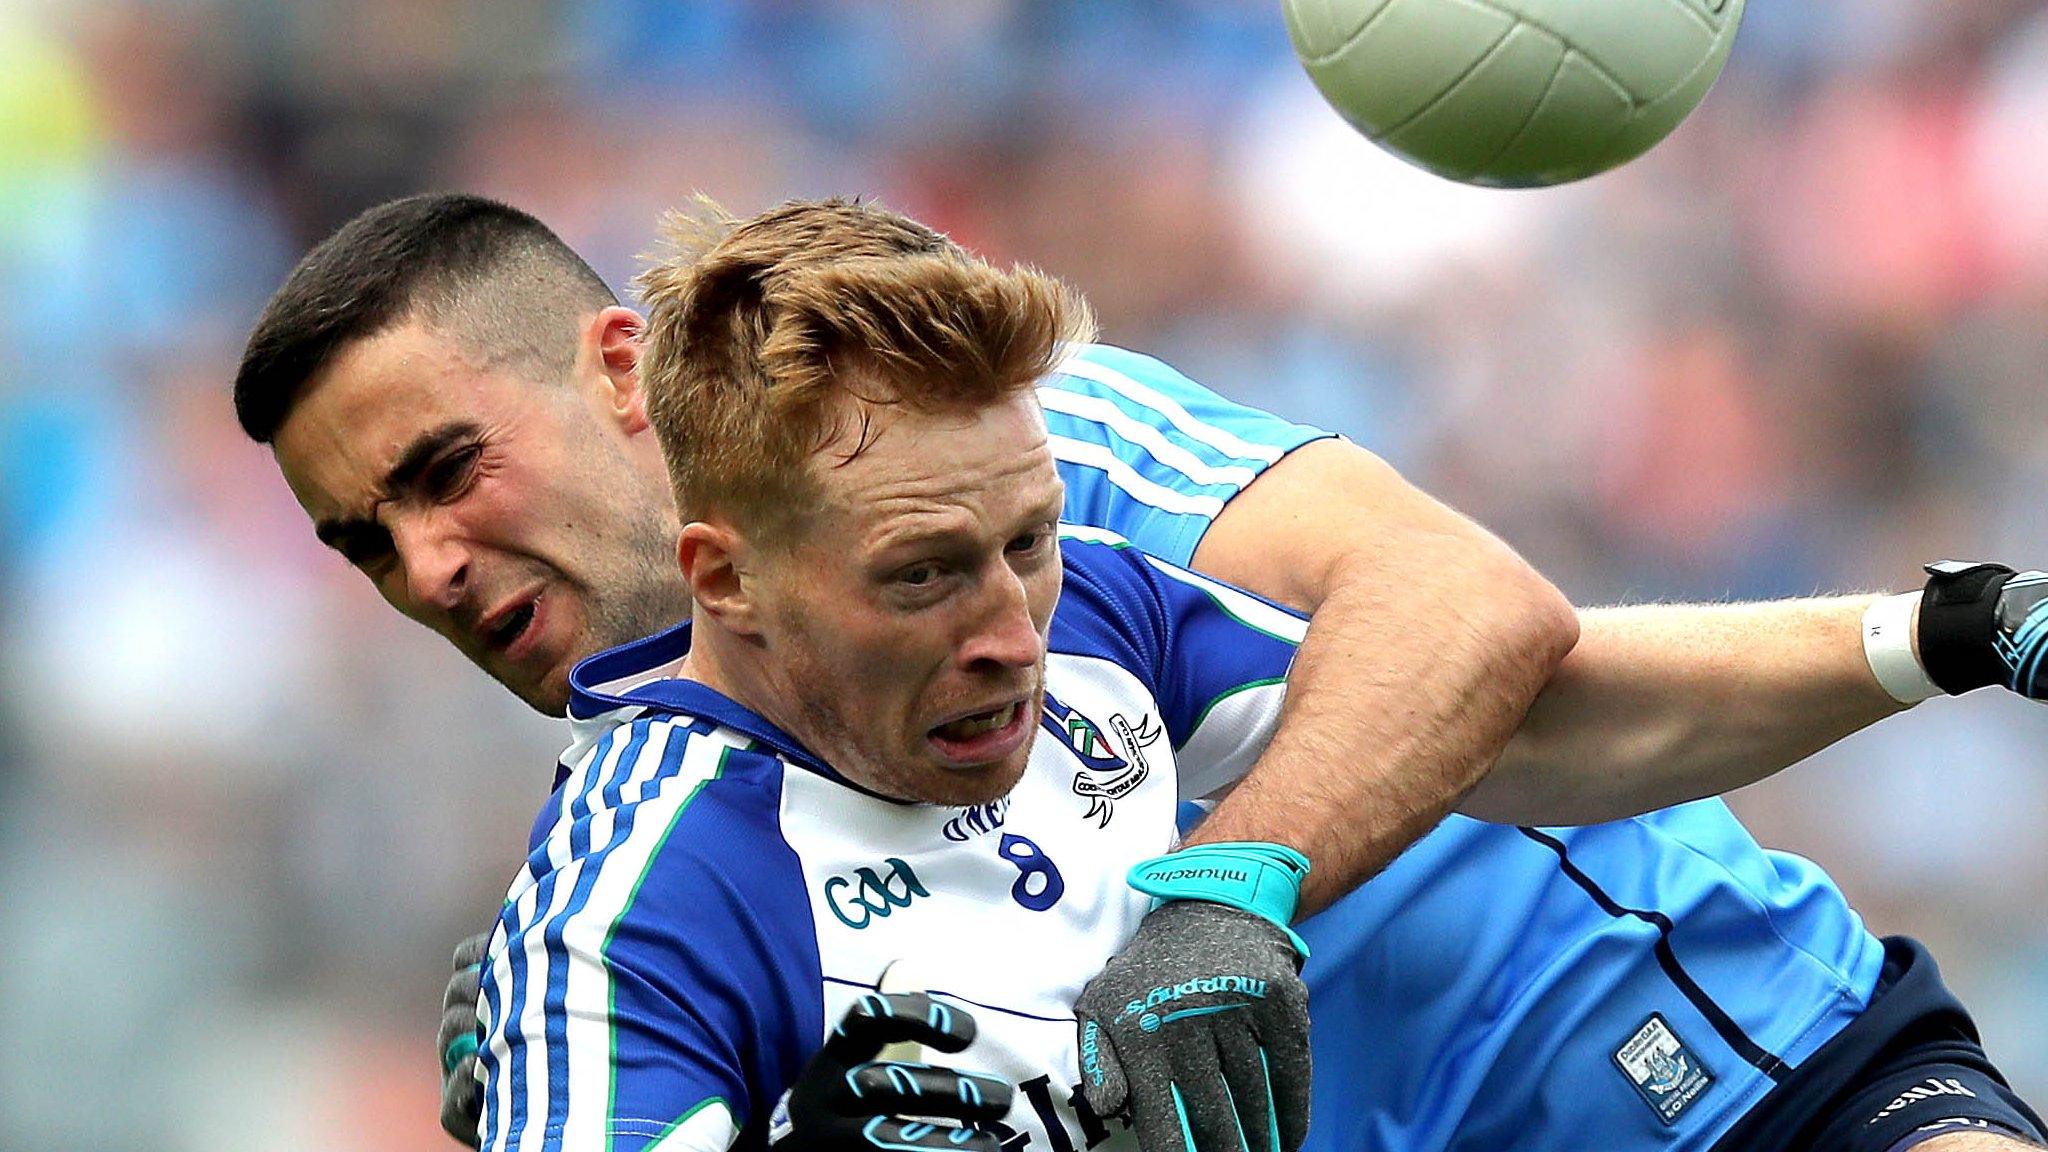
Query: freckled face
907, 629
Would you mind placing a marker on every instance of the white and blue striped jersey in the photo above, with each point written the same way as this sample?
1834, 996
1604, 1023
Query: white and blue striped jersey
703, 897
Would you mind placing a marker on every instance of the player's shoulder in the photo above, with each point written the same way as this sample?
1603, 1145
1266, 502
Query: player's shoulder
1109, 601
1098, 561
659, 791
1100, 379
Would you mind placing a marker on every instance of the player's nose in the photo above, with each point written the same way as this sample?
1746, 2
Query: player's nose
1005, 634
436, 563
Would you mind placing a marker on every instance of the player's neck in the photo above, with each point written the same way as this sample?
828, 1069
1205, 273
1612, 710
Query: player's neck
737, 669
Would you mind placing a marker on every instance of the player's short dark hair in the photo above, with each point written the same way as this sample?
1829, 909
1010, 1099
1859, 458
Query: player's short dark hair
498, 279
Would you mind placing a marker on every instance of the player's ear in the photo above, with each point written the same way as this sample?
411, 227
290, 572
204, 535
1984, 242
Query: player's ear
612, 339
714, 559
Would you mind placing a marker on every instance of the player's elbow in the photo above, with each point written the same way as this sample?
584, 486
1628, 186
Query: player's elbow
1491, 620
1543, 623
1519, 618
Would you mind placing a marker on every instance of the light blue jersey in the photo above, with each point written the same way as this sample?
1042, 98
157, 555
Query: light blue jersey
1631, 986
1151, 455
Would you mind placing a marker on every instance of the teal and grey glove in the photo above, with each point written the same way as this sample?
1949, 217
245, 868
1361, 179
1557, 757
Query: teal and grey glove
462, 1097
1197, 1032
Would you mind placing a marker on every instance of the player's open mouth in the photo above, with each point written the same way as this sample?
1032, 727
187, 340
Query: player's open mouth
982, 737
506, 630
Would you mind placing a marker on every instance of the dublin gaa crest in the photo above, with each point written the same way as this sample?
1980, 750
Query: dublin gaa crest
1113, 763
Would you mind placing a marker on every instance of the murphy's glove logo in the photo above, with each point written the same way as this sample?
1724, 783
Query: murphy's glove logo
1112, 766
1165, 995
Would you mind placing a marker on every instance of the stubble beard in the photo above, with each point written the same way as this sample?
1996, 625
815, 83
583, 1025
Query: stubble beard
906, 777
641, 594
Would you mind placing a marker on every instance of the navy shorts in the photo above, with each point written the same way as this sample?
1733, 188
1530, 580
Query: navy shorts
1910, 1067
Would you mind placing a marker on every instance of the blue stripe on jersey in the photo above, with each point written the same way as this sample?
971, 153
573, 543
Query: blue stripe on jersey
542, 898
555, 1003
577, 811
1186, 637
1151, 455
715, 959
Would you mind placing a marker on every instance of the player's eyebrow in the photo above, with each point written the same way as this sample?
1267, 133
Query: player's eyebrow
950, 527
403, 474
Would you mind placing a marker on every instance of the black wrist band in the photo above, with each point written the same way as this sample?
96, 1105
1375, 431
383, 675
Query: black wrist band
1959, 625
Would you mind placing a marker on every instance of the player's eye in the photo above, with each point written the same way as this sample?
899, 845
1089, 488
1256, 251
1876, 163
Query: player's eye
448, 476
369, 549
918, 576
1029, 542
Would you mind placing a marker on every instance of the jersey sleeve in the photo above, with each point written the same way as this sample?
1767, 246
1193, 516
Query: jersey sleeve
654, 977
1151, 455
1215, 657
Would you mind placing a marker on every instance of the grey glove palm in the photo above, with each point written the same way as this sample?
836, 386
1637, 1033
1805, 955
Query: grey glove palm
1198, 1033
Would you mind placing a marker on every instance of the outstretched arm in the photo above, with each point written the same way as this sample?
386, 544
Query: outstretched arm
1428, 639
1663, 704
1659, 705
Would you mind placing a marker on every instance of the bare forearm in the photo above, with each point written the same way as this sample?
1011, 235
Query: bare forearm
1662, 704
1413, 729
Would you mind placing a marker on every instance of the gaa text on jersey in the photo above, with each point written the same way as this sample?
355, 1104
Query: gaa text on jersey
872, 894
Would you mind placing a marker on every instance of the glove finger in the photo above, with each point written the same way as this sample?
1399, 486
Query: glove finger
1102, 1072
457, 1037
1156, 1114
1207, 1112
878, 1018
464, 985
892, 1088
462, 1103
892, 1133
1247, 1076
1284, 1049
470, 951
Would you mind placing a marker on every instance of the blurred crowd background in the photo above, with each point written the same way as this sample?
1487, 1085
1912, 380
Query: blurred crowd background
245, 810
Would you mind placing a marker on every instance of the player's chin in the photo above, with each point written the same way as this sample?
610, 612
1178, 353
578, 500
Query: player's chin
940, 781
965, 787
545, 691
